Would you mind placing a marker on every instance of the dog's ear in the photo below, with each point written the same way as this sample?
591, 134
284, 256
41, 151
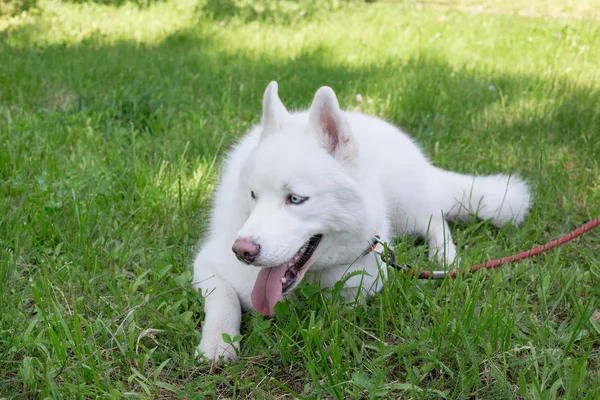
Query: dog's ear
274, 112
329, 122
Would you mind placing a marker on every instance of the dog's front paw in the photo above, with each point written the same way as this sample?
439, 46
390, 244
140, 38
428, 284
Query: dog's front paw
214, 350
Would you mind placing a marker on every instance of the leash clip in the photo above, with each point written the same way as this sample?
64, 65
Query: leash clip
387, 255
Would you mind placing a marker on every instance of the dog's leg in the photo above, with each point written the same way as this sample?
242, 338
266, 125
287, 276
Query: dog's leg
223, 315
439, 240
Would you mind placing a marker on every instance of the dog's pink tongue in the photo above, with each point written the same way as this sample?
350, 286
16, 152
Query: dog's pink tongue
267, 289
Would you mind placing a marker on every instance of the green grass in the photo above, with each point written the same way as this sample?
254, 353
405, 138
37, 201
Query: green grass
113, 124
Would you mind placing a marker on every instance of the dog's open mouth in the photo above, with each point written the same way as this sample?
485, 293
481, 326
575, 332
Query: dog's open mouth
272, 282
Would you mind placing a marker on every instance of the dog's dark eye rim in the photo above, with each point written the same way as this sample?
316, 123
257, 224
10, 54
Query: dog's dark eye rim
253, 195
295, 199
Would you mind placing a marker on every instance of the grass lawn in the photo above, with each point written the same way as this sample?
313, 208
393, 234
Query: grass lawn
113, 124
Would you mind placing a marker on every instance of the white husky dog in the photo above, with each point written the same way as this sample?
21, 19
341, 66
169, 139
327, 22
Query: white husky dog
303, 195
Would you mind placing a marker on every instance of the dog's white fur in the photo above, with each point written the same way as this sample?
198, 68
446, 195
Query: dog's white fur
363, 176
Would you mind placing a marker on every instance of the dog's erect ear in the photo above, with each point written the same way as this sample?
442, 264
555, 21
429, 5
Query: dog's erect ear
329, 122
274, 112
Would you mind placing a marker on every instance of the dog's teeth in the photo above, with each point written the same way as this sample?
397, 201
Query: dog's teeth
283, 280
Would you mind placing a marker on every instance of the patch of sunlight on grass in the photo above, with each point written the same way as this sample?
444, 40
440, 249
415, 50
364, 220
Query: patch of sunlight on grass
185, 183
15, 21
375, 35
68, 24
510, 113
533, 8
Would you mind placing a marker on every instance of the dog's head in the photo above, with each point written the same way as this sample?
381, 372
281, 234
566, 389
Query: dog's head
306, 208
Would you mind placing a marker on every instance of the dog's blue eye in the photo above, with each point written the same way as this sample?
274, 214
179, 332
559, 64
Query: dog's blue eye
295, 199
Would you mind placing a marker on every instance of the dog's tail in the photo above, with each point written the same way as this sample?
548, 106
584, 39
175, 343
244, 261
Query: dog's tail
497, 198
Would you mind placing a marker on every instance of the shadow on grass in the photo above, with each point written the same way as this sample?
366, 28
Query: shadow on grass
286, 12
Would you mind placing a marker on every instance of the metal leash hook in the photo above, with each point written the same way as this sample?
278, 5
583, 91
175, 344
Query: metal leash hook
387, 255
383, 249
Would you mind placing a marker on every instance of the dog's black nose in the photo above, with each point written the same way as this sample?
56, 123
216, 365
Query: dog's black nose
246, 250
